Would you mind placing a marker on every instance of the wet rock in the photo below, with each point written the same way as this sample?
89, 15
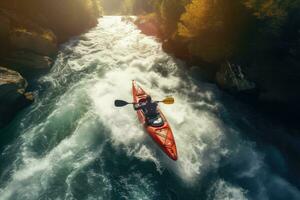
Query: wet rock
4, 28
27, 45
230, 77
21, 33
149, 25
13, 95
39, 43
148, 28
177, 48
27, 60
29, 36
203, 72
128, 19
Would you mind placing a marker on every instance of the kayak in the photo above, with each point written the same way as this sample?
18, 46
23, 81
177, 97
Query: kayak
159, 128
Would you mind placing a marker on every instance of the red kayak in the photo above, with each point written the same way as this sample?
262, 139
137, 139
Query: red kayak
159, 129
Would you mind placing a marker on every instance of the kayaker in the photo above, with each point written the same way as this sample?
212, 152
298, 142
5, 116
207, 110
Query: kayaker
149, 107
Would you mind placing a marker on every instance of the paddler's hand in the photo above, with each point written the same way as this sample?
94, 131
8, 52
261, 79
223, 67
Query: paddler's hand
136, 106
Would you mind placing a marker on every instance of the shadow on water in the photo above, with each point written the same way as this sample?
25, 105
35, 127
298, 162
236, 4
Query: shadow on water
278, 144
71, 144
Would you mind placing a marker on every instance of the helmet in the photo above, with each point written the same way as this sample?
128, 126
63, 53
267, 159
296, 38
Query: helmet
148, 98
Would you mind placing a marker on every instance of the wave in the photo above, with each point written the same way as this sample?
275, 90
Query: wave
74, 144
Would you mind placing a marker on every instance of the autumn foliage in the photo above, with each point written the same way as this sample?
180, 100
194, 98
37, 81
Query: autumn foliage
215, 30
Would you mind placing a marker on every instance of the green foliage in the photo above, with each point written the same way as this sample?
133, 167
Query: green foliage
273, 12
216, 30
212, 30
200, 15
207, 27
169, 12
270, 8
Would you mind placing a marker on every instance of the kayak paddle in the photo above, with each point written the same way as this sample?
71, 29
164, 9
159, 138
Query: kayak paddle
168, 100
121, 103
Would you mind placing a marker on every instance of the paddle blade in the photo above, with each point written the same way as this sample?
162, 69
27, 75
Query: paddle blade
120, 103
168, 100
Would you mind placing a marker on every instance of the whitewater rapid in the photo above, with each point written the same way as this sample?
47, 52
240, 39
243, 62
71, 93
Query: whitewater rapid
72, 143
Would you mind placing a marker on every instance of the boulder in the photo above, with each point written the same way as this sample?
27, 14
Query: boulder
13, 95
231, 78
39, 43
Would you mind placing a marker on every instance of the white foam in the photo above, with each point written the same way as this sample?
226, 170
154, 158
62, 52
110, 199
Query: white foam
31, 176
105, 61
222, 190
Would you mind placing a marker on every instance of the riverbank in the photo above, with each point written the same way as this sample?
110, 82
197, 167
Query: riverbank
30, 35
261, 72
73, 136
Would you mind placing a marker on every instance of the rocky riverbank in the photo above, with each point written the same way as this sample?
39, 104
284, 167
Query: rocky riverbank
30, 35
254, 57
13, 94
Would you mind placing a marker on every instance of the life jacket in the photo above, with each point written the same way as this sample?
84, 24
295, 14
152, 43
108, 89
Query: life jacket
150, 108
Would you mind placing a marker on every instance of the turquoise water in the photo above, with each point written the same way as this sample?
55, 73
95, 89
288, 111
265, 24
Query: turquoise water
72, 143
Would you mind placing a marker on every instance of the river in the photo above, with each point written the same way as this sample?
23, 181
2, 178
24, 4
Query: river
72, 143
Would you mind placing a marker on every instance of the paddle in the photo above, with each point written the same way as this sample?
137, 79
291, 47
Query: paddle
121, 103
168, 100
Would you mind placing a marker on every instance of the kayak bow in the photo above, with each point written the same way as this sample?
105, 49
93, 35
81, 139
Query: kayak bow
161, 134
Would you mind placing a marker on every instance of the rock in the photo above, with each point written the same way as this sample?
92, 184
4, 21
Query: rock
177, 48
39, 43
148, 28
230, 77
149, 25
29, 96
11, 77
4, 33
203, 72
21, 33
12, 94
29, 46
28, 60
128, 19
4, 28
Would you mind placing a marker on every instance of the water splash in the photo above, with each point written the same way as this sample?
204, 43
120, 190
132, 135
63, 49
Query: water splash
74, 144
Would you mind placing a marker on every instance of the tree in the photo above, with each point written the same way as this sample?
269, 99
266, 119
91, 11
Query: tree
200, 15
